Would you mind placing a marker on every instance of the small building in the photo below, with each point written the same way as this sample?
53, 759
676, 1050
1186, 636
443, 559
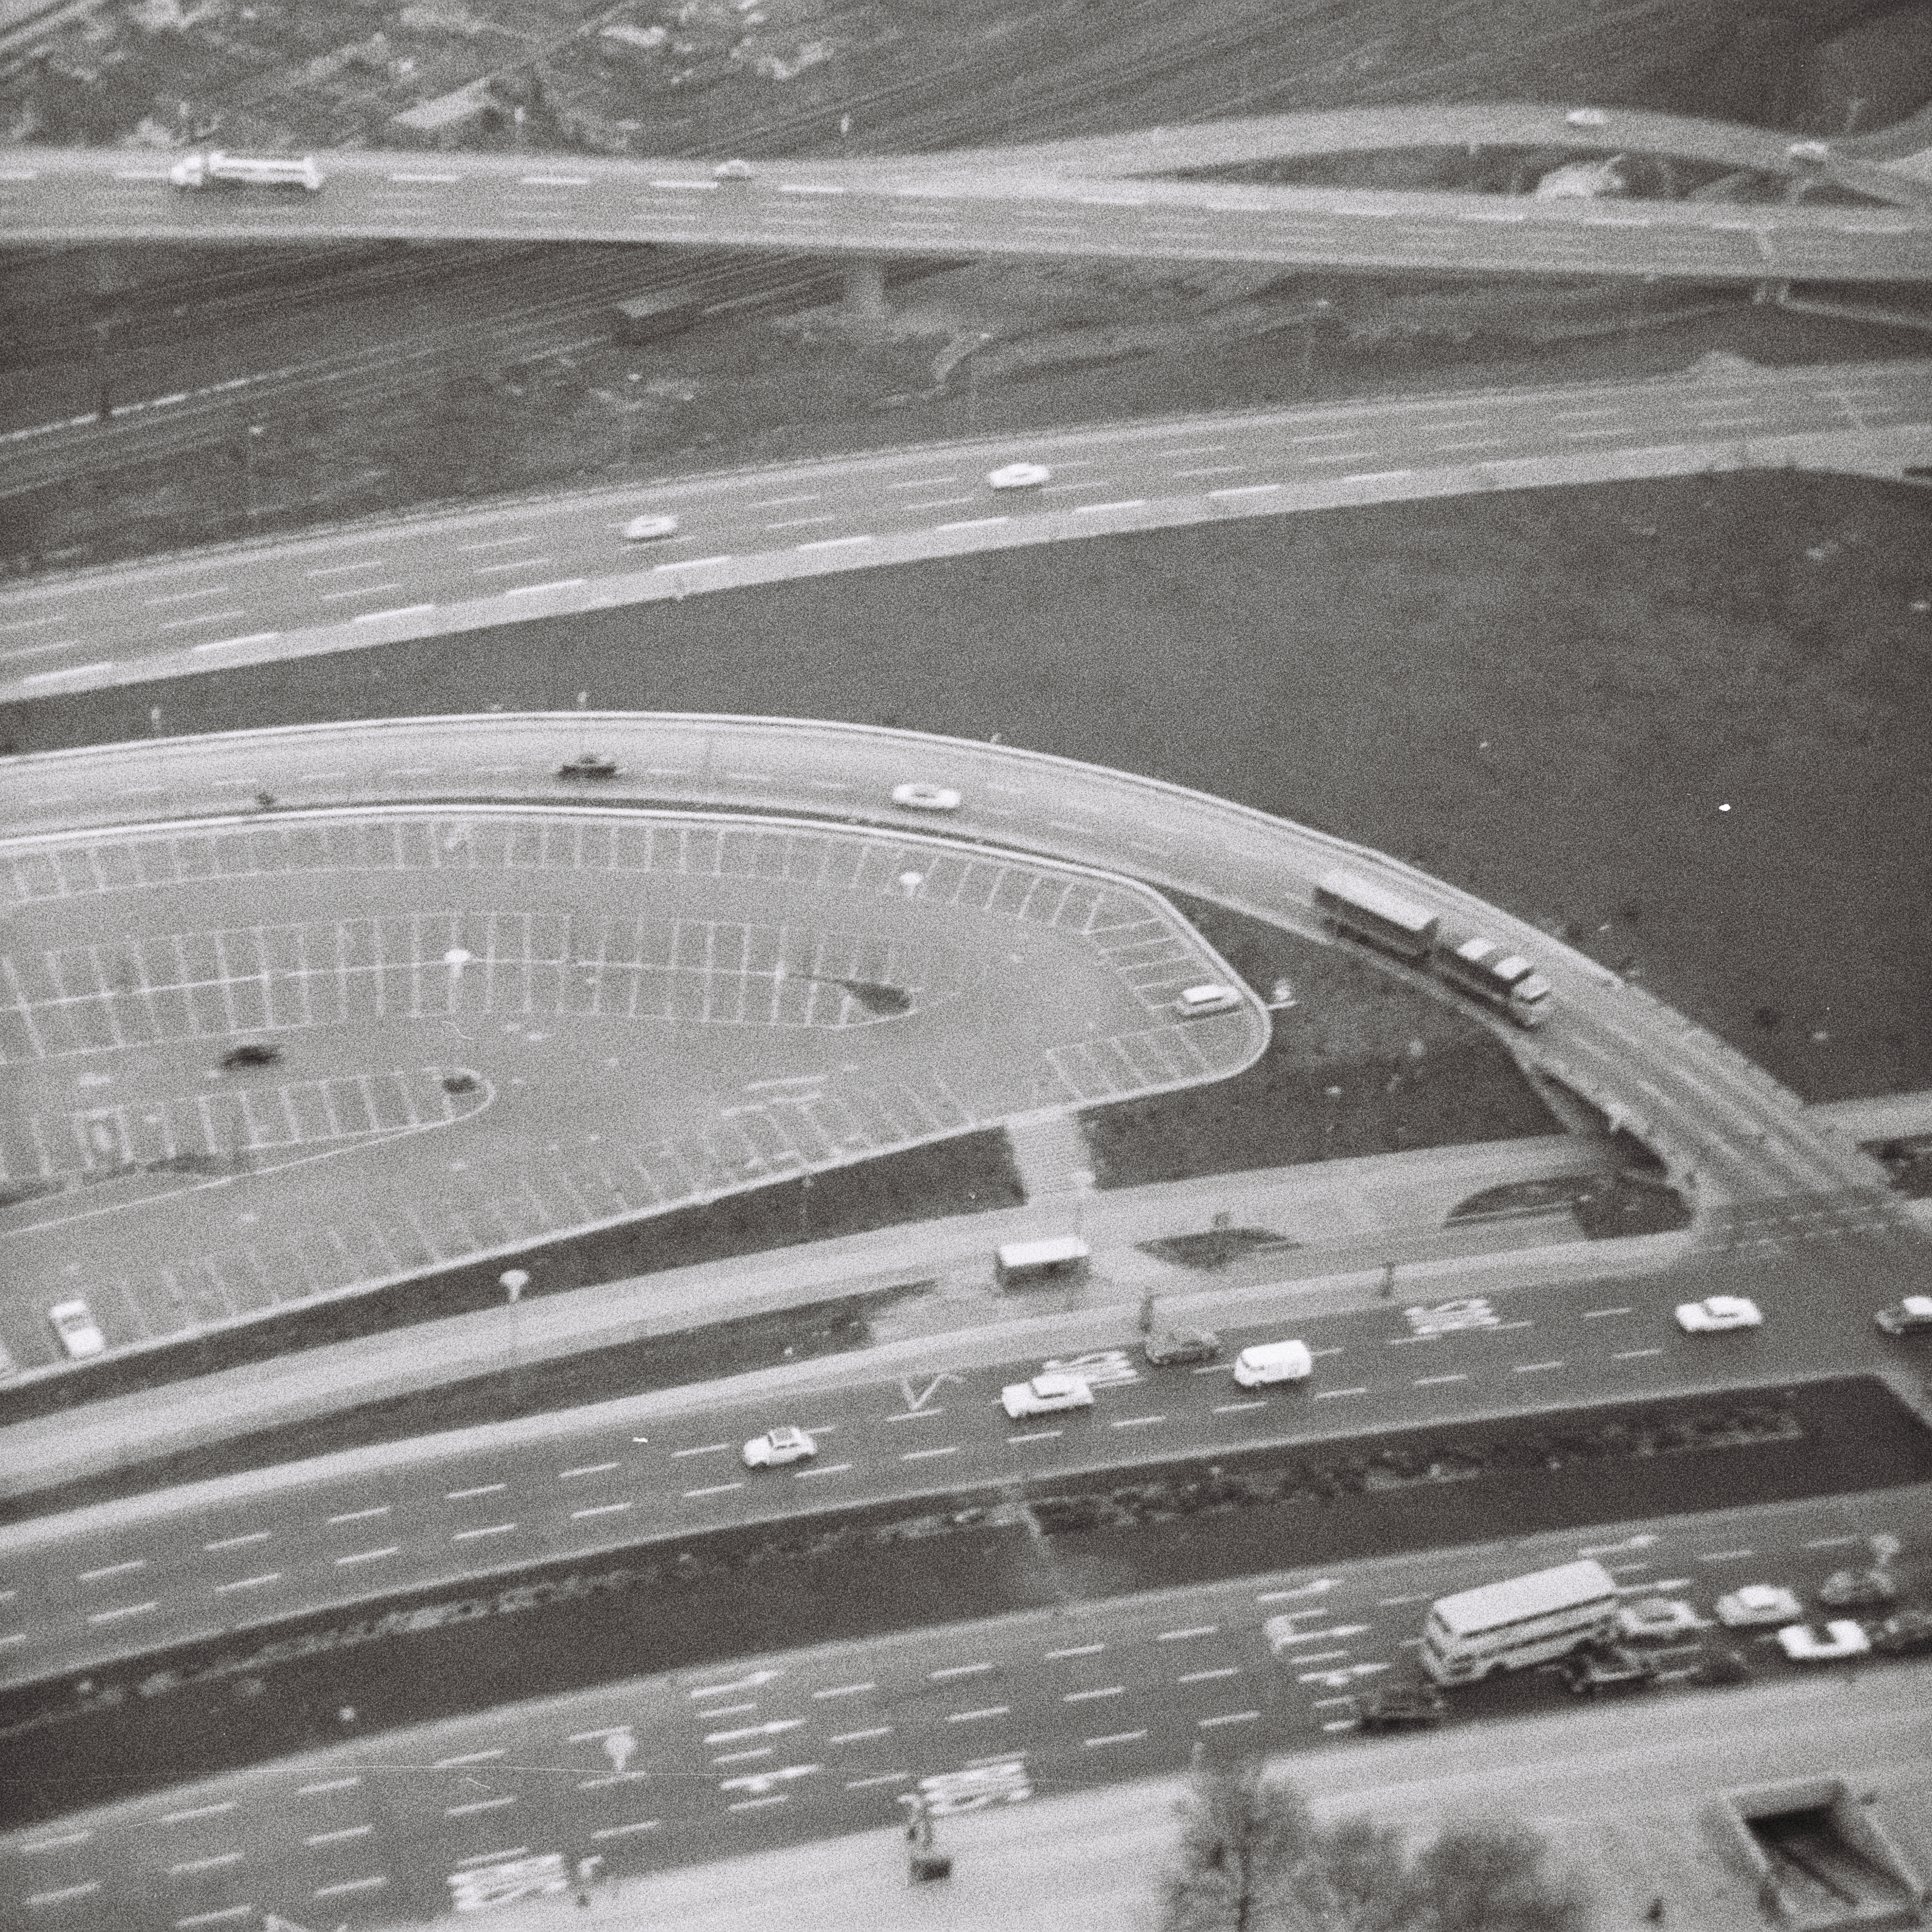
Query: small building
1582, 181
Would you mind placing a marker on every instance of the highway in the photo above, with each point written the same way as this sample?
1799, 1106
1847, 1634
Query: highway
776, 1749
119, 1579
375, 584
871, 209
1705, 1107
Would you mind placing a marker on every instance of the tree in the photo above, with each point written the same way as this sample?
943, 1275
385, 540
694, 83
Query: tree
1252, 1858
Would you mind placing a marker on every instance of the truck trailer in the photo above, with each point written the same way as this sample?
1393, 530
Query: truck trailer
662, 312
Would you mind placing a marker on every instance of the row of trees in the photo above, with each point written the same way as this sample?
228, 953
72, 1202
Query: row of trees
1252, 1857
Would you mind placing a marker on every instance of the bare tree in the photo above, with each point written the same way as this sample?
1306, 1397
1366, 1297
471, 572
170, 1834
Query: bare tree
1480, 1876
1250, 1857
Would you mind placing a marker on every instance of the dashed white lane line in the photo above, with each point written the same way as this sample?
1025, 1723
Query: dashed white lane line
538, 589
860, 1737
1136, 1421
958, 1670
553, 181
236, 643
716, 1490
1087, 1696
367, 1556
1725, 1555
434, 180
824, 1469
460, 1495
973, 1717
973, 524
1098, 509
692, 562
1204, 1676
237, 1542
92, 1885
338, 596
1077, 1650
799, 522
400, 610
123, 1610
602, 1509
1378, 475
502, 569
835, 543
1633, 1354
1329, 1395
703, 1449
1236, 1408
1229, 1717
179, 597
1831, 1542
112, 1570
1192, 1630
1432, 1381
846, 1690
920, 1455
586, 1469
1036, 1435
782, 502
72, 671
1533, 1368
360, 1515
1220, 469
1598, 1314
1114, 1738
248, 1582
1244, 490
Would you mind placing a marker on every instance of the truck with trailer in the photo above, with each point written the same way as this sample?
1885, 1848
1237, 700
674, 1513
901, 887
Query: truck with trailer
218, 169
1353, 907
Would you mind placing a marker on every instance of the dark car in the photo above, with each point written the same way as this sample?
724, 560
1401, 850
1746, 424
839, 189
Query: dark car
1595, 1668
1857, 1590
1904, 1634
1181, 1344
587, 767
255, 1054
1402, 1706
1717, 1667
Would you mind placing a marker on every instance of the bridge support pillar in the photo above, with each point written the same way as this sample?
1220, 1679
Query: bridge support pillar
865, 292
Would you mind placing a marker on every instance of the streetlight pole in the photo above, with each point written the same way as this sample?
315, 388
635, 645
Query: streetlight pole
255, 431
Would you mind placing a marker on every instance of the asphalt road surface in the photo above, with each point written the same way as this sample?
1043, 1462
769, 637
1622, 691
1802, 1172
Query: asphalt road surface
124, 1579
871, 209
373, 585
779, 1748
495, 1028
1697, 1102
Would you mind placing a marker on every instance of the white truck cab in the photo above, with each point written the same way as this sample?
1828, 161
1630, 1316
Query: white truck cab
217, 169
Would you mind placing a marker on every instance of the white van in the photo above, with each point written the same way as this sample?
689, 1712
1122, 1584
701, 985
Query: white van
1273, 1362
216, 169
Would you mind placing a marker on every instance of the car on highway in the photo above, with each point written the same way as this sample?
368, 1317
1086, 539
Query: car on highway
1592, 1669
733, 171
1907, 1317
1759, 1603
1398, 1707
586, 765
1813, 151
220, 170
1165, 1347
918, 795
1658, 1619
777, 1447
1843, 1636
1904, 1634
1045, 1395
1719, 1667
1587, 117
1019, 476
1858, 1590
1717, 1312
253, 1053
650, 528
76, 1330
1273, 1362
1194, 1001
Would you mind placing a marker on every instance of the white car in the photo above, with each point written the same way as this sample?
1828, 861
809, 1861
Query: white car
648, 529
1019, 476
918, 797
1843, 1638
1045, 1394
1653, 1619
1587, 117
1197, 999
1717, 1312
732, 171
1760, 1604
1914, 1312
80, 1333
777, 1447
1273, 1362
1809, 151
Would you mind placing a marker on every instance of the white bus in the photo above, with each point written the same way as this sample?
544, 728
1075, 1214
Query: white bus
1510, 1625
1024, 1264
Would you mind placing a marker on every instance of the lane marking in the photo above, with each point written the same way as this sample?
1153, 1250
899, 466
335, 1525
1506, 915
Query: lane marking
716, 1489
248, 1582
1532, 1368
973, 524
1232, 1717
360, 1515
1204, 1676
367, 1556
1115, 1738
1195, 1629
1078, 1650
1235, 1408
846, 1690
1087, 1696
1632, 1354
704, 1449
834, 543
602, 1509
113, 1569
958, 1670
538, 589
586, 1469
481, 1490
973, 1717
401, 610
238, 643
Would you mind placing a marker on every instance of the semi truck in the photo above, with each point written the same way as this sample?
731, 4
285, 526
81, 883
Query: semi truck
217, 169
1351, 907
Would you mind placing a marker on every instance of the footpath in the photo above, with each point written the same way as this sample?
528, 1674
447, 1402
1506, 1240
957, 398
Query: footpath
1621, 1799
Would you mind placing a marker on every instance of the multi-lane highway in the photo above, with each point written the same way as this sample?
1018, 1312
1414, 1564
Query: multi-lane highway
119, 1579
378, 582
870, 209
776, 1749
1711, 1112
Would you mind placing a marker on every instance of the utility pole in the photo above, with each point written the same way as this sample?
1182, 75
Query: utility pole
255, 432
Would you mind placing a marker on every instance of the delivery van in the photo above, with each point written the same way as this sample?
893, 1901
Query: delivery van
1273, 1362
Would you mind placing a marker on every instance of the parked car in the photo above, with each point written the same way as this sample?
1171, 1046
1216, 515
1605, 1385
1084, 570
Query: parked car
1655, 1619
1718, 1312
1594, 1668
586, 765
777, 1447
1046, 1394
1760, 1604
1813, 151
255, 1053
648, 529
1402, 1707
1843, 1637
733, 171
1857, 1590
1196, 1000
1718, 1667
1906, 1317
79, 1334
1019, 476
1165, 1346
1273, 1362
1903, 1634
919, 796
1587, 117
